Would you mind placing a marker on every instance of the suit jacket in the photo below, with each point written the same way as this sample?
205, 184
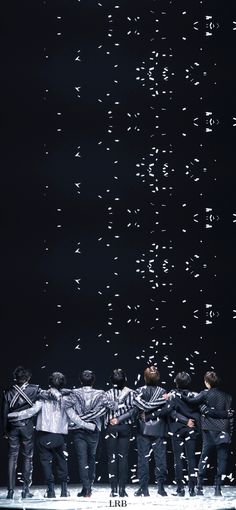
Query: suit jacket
90, 404
17, 398
217, 401
149, 399
52, 415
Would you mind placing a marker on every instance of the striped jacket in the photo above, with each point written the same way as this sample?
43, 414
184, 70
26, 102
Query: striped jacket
125, 402
89, 403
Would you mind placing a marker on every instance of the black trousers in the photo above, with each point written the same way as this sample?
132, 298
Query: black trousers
20, 439
145, 445
86, 443
184, 446
211, 443
53, 447
117, 443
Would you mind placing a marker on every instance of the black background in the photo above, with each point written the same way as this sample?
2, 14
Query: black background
117, 312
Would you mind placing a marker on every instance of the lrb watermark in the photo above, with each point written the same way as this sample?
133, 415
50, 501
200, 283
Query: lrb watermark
117, 503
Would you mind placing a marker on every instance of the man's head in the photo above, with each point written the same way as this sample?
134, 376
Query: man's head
21, 375
151, 376
57, 380
118, 378
211, 380
87, 378
182, 380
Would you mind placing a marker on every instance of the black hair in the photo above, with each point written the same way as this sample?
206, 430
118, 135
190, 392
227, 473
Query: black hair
118, 378
212, 379
182, 380
57, 380
87, 378
21, 375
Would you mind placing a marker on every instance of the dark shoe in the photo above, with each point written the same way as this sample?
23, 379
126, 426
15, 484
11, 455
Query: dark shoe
142, 492
10, 494
114, 492
218, 491
81, 494
180, 492
50, 492
88, 493
200, 486
64, 492
25, 493
200, 491
122, 492
191, 486
84, 493
161, 490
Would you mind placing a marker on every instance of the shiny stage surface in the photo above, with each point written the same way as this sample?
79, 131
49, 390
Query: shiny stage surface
100, 499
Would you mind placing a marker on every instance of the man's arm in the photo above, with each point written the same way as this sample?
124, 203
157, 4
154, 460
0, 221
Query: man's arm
4, 412
165, 410
213, 412
97, 412
103, 403
132, 414
50, 394
144, 405
196, 399
26, 413
75, 418
73, 405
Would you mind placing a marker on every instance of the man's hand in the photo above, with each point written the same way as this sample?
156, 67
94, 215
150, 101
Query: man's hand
191, 423
114, 421
5, 436
142, 416
169, 396
12, 416
55, 393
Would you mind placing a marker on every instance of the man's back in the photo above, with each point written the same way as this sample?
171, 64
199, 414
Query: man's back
86, 399
21, 397
217, 399
18, 398
52, 417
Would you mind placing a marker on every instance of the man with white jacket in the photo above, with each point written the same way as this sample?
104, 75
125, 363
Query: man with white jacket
52, 426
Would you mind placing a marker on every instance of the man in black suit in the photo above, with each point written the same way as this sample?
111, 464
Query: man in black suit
216, 431
184, 427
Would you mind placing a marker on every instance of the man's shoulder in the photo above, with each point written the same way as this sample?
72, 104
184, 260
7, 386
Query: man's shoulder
149, 390
76, 391
32, 386
27, 389
161, 389
220, 392
31, 389
96, 391
81, 391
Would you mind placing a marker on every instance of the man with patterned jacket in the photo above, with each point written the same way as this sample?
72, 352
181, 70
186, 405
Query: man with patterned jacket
52, 428
152, 435
20, 396
154, 439
118, 433
216, 432
91, 404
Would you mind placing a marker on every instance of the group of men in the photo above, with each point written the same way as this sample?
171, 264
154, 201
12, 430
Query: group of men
149, 410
